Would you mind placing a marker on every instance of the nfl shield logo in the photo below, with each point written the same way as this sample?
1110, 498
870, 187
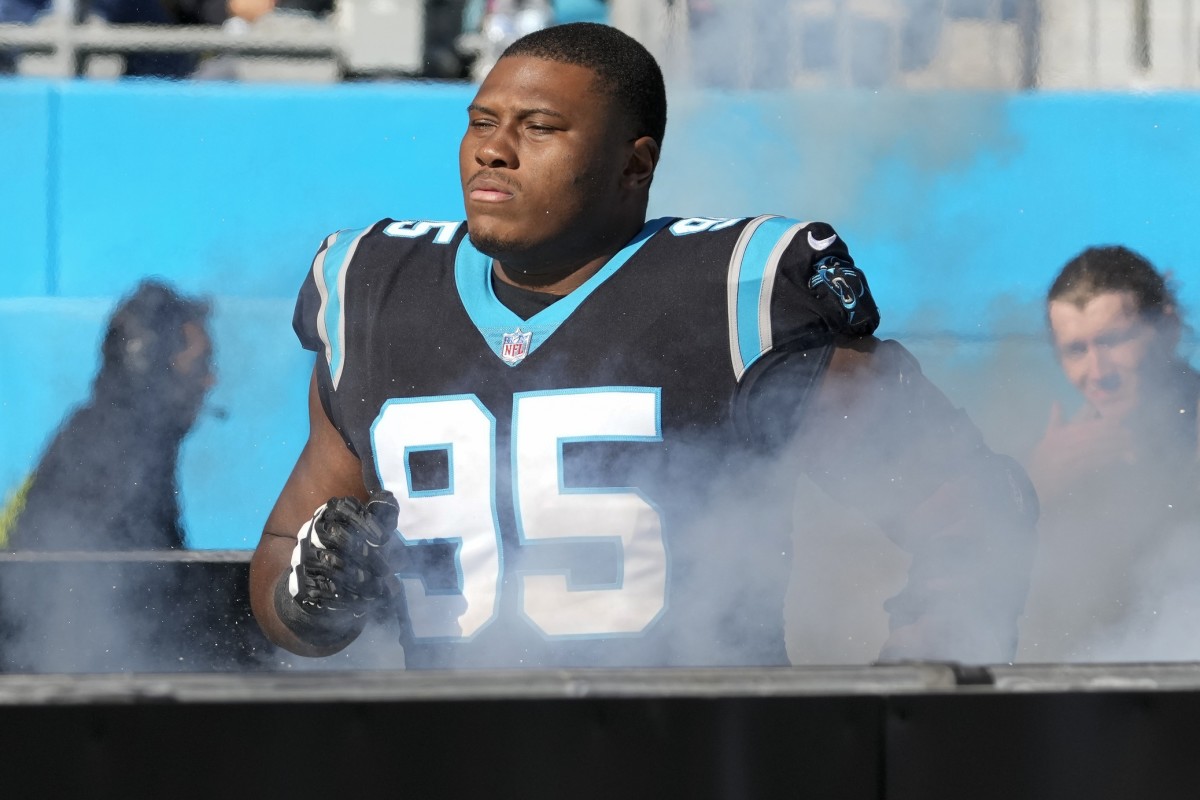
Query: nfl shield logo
515, 346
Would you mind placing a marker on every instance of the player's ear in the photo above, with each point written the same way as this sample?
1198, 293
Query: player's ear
639, 167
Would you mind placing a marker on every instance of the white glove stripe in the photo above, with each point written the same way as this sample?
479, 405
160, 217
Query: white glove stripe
304, 532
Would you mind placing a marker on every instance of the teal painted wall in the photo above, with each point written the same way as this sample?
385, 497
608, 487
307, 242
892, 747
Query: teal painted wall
960, 207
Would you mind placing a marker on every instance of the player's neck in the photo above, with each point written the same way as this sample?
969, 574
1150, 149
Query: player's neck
551, 285
573, 274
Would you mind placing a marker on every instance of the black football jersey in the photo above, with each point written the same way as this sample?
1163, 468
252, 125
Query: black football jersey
573, 490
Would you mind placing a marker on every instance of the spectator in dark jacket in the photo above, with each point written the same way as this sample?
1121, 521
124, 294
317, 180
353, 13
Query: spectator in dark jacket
106, 490
108, 479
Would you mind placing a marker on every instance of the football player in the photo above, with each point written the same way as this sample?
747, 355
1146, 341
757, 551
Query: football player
559, 434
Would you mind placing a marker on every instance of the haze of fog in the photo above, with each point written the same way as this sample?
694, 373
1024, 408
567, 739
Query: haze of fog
844, 567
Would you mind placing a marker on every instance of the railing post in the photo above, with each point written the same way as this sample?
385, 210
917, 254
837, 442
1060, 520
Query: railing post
66, 60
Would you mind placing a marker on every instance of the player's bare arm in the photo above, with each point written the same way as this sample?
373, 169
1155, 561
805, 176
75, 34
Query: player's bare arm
881, 437
325, 469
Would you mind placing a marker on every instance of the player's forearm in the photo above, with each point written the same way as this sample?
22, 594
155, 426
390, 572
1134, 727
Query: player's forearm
891, 444
972, 543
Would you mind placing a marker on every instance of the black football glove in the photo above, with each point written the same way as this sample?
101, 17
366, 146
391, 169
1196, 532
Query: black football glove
339, 568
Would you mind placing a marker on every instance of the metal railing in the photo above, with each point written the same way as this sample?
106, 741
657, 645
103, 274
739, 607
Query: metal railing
1002, 44
938, 44
71, 44
379, 36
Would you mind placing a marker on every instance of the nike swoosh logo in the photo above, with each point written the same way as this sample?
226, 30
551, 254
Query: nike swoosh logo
820, 244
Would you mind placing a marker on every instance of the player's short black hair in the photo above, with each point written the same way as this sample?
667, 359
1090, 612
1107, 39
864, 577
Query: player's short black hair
1114, 268
626, 70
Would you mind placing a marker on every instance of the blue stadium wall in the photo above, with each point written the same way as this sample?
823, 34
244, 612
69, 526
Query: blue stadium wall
960, 207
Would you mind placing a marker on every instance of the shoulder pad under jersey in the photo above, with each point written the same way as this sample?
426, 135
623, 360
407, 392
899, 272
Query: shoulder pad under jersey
789, 280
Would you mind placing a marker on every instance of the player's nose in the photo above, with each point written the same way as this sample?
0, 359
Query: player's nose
497, 150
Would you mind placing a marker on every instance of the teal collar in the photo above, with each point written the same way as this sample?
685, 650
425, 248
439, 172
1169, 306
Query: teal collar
510, 337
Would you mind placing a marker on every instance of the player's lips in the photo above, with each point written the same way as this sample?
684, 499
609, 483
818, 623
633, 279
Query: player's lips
486, 189
484, 195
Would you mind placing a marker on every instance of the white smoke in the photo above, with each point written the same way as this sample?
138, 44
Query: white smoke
843, 567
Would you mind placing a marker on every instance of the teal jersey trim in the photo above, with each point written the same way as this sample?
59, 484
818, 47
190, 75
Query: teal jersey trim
751, 274
494, 320
330, 274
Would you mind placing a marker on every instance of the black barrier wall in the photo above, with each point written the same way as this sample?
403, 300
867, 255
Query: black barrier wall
902, 732
196, 703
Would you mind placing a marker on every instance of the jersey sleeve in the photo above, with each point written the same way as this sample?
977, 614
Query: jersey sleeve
818, 274
797, 288
795, 282
306, 315
319, 316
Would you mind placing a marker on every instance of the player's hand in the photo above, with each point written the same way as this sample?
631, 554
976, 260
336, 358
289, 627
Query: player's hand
1070, 451
339, 564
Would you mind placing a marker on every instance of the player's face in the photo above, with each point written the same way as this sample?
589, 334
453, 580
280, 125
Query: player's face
1108, 351
541, 163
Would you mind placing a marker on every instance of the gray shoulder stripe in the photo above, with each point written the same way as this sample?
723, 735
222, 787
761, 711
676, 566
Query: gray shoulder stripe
768, 286
330, 273
732, 284
318, 270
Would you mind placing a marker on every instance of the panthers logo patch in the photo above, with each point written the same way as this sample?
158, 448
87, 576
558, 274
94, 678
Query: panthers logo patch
843, 280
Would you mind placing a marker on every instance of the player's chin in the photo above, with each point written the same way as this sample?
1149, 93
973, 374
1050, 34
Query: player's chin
492, 240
